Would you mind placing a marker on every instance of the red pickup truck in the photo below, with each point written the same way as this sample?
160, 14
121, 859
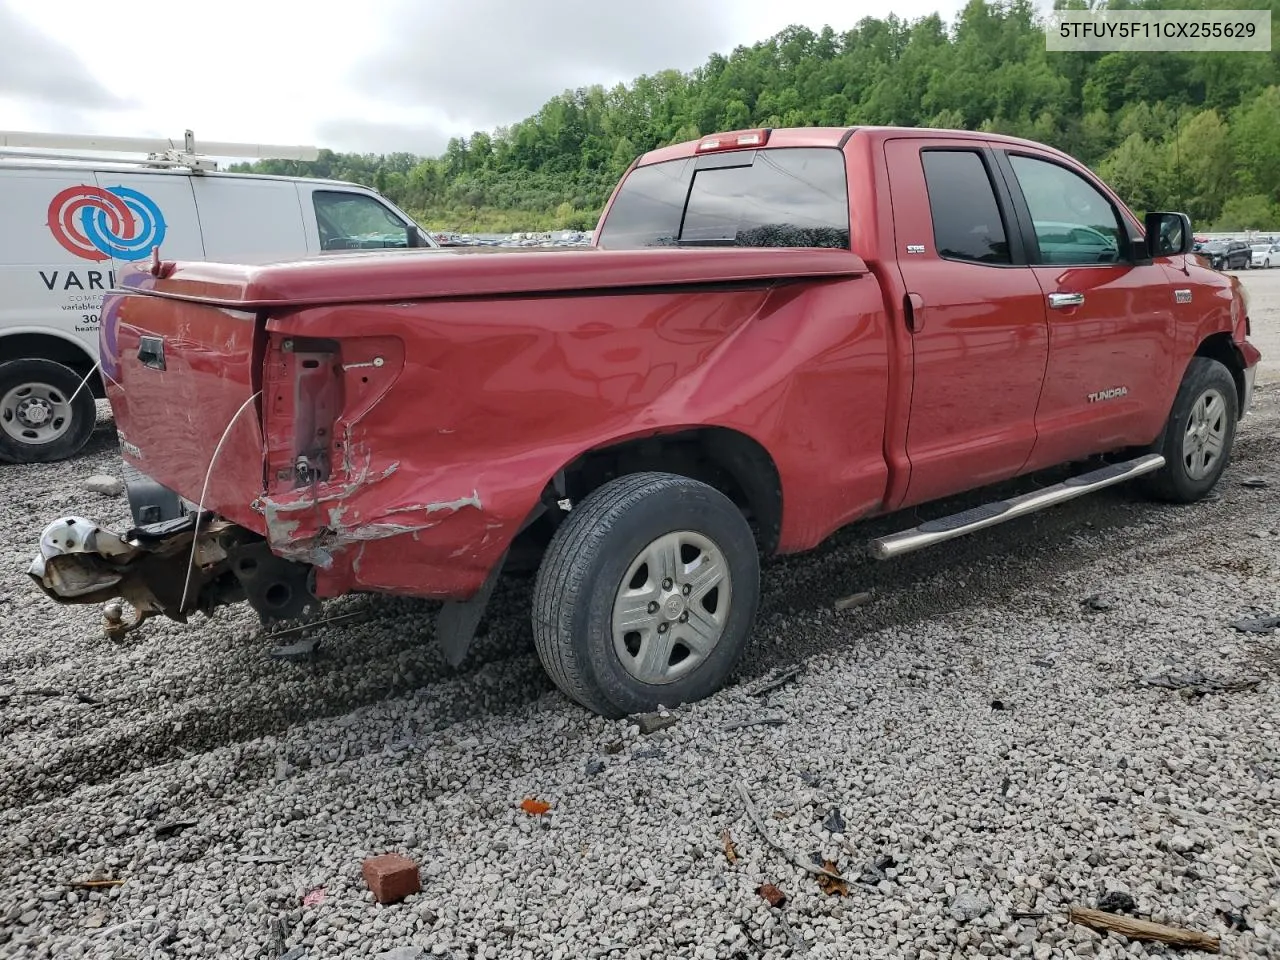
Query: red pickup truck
775, 333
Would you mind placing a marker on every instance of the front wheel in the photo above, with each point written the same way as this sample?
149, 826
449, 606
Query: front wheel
42, 416
1199, 435
646, 595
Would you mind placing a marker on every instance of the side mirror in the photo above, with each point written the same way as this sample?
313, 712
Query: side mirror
1168, 234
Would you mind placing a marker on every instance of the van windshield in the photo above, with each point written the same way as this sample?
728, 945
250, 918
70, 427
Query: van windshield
784, 197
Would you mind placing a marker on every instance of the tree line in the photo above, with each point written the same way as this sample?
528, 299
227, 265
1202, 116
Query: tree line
1198, 132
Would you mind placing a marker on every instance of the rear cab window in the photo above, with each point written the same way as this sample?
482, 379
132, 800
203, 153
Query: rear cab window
781, 197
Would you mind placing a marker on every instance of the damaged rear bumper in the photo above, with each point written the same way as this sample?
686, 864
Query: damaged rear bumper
188, 563
174, 567
174, 563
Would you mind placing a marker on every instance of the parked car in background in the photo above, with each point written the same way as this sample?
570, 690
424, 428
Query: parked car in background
1266, 254
1226, 254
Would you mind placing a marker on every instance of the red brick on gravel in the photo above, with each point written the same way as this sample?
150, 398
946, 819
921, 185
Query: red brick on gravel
391, 877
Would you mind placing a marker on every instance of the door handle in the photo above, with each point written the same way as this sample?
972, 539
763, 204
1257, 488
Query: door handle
1060, 300
913, 310
151, 352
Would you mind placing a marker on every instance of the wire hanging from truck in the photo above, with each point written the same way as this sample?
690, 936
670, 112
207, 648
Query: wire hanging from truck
204, 492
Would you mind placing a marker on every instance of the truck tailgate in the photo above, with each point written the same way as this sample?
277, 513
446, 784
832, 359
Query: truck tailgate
192, 372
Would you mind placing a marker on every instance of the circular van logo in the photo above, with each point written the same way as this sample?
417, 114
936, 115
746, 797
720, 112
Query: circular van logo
98, 224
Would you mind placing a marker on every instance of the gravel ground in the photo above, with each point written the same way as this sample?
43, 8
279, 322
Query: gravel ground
1264, 301
977, 729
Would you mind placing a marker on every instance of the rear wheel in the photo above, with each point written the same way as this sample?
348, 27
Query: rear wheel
1199, 435
42, 417
646, 595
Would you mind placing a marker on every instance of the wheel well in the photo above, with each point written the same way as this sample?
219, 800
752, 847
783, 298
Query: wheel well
42, 346
731, 462
1220, 347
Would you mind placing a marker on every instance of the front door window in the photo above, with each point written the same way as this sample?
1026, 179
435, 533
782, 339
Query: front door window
356, 221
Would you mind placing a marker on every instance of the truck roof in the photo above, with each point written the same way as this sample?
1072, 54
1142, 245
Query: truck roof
832, 137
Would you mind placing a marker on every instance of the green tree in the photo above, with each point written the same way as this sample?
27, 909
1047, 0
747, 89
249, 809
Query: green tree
1200, 165
1256, 212
1133, 170
1255, 138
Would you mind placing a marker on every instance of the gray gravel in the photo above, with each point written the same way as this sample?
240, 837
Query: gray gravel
978, 727
1264, 293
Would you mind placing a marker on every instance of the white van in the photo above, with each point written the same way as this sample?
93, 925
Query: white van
67, 224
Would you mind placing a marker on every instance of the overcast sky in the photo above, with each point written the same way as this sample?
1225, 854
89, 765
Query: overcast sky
378, 76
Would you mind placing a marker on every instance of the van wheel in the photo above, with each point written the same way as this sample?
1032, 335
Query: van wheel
1197, 440
39, 420
646, 595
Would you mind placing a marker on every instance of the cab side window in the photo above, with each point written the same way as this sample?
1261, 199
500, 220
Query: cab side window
356, 221
1074, 222
967, 224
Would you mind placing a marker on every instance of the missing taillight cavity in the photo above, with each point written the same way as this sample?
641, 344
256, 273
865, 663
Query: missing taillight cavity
304, 396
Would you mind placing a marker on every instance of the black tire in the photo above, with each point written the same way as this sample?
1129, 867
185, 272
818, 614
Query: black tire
20, 443
582, 572
1175, 482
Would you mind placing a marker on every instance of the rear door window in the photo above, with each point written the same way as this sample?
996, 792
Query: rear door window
787, 197
966, 218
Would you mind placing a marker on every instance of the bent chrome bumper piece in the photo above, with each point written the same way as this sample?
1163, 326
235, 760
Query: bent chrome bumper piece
173, 568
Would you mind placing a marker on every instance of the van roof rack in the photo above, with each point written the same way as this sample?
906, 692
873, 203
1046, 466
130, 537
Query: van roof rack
160, 152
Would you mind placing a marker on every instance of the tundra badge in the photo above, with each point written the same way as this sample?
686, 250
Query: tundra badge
1110, 394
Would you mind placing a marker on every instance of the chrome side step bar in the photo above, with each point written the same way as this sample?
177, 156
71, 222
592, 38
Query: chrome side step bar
989, 514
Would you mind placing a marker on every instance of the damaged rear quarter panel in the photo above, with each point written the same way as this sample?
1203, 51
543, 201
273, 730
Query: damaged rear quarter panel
493, 396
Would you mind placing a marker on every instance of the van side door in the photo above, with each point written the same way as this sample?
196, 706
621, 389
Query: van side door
1112, 321
247, 220
976, 317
